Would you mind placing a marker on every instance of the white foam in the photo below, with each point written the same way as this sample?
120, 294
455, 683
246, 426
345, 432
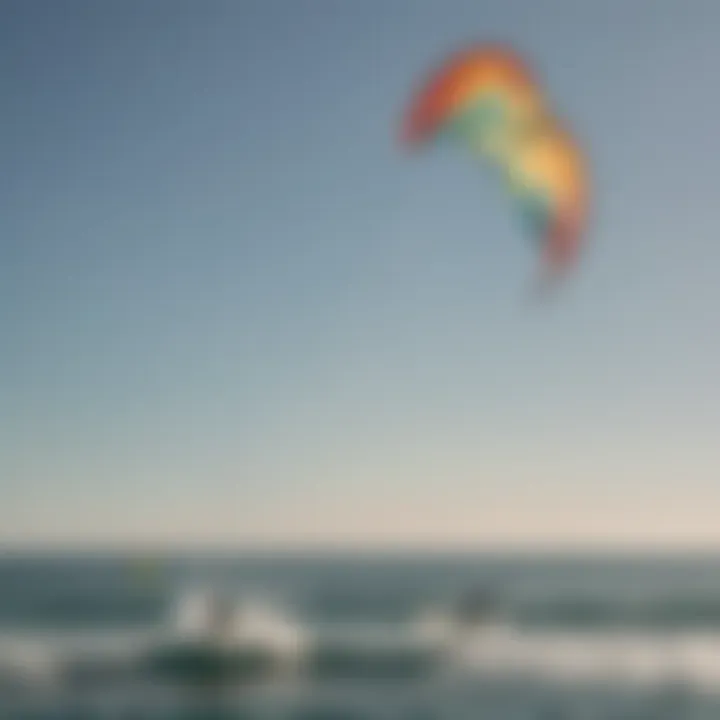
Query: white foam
260, 625
628, 658
618, 659
252, 622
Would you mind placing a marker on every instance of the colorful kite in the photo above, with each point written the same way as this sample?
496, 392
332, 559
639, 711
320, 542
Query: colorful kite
488, 98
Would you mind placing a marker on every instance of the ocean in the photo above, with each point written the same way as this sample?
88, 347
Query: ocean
572, 637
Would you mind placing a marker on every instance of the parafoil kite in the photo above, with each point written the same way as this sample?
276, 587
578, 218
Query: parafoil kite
488, 98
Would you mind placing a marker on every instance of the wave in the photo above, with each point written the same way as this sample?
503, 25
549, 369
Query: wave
682, 611
107, 608
86, 608
501, 652
81, 592
582, 612
633, 658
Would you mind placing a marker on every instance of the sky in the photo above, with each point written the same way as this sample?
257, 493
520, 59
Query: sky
233, 310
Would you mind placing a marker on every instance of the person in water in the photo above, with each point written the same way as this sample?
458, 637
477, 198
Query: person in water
477, 608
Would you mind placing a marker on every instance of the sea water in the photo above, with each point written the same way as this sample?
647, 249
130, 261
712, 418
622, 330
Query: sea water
569, 638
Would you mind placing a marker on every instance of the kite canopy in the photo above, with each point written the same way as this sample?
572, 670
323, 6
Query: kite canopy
465, 85
489, 99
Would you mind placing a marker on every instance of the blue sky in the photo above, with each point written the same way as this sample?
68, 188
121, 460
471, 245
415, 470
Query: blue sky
232, 310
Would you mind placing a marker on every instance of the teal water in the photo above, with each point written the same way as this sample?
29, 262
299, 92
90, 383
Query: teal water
568, 615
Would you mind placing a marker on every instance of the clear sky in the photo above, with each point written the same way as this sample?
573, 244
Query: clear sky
232, 310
